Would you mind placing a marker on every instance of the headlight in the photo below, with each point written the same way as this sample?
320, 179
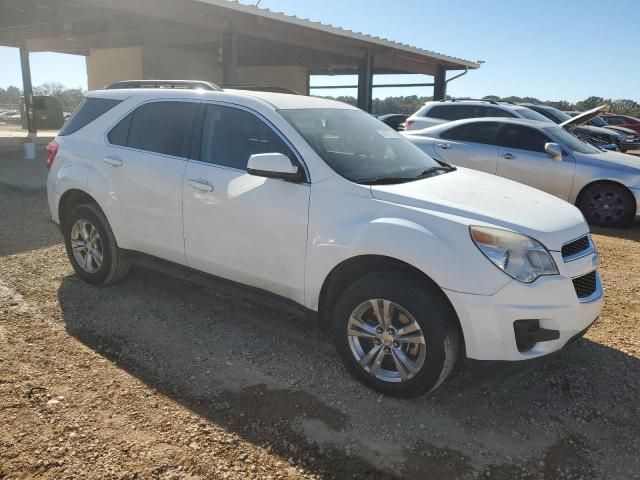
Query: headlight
521, 257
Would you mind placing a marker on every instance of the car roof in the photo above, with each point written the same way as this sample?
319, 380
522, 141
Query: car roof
514, 121
277, 101
493, 103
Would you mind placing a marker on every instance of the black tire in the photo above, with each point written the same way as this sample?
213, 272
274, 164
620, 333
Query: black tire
428, 308
114, 265
608, 204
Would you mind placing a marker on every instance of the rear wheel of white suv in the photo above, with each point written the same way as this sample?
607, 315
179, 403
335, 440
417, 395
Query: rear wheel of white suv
396, 334
91, 246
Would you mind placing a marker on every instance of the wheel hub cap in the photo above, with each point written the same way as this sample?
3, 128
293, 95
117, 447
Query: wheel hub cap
386, 340
87, 246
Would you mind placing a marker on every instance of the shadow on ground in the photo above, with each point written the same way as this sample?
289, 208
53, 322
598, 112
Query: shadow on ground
274, 378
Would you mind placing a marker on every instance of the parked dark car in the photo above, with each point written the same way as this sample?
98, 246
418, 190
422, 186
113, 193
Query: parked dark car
394, 120
625, 121
579, 126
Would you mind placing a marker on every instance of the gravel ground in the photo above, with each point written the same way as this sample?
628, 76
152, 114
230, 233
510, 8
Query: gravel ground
159, 378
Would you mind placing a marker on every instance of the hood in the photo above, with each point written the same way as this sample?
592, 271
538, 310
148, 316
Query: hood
585, 116
626, 131
616, 160
596, 130
477, 198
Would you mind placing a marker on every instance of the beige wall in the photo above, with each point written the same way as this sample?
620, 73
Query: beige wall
181, 64
108, 65
289, 76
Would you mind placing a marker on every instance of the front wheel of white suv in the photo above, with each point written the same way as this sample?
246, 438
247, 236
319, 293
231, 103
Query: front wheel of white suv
91, 246
396, 334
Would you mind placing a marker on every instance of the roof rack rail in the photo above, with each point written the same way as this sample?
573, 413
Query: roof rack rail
494, 102
179, 84
255, 88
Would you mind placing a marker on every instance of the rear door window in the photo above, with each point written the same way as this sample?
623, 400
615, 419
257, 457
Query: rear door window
522, 138
159, 127
90, 109
479, 132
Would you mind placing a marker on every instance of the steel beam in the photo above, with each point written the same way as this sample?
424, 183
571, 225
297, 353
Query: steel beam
365, 83
440, 83
230, 56
27, 89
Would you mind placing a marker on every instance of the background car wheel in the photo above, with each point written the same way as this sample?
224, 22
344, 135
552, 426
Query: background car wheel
396, 334
608, 205
91, 246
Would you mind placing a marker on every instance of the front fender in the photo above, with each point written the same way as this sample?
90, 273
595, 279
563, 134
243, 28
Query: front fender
443, 251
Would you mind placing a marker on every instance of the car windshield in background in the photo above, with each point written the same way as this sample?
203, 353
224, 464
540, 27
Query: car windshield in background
531, 115
598, 122
359, 147
570, 141
559, 114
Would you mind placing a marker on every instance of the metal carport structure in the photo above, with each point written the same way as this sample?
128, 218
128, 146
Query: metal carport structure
216, 40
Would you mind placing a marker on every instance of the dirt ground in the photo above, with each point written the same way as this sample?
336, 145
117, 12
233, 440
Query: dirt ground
158, 378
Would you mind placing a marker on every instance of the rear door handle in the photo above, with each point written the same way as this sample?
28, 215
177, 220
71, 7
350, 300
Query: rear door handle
509, 156
200, 184
113, 161
444, 146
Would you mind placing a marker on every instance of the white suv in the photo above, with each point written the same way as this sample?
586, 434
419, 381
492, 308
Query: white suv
316, 204
437, 112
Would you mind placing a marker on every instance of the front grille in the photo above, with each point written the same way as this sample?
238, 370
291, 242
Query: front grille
585, 285
577, 246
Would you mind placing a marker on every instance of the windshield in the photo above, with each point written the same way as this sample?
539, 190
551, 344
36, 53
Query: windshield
532, 115
570, 141
598, 122
559, 114
359, 147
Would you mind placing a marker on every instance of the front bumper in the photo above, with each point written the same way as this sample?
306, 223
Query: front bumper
636, 194
488, 321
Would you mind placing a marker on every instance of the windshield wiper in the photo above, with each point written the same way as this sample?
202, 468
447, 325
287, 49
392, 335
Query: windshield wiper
393, 180
442, 168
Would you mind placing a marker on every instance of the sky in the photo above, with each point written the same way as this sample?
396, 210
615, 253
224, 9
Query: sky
549, 49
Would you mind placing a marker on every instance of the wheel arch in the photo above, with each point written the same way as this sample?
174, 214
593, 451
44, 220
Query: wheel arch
72, 198
351, 269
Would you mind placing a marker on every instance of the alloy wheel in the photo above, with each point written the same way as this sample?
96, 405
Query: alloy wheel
386, 341
87, 246
606, 207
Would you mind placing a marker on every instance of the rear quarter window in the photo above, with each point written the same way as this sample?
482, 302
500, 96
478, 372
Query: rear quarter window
87, 112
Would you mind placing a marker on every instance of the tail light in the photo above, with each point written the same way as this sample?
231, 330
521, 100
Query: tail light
52, 149
408, 123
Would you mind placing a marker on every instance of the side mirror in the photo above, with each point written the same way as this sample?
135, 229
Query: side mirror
554, 150
273, 165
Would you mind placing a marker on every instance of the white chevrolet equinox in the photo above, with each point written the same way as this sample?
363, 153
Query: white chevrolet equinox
312, 203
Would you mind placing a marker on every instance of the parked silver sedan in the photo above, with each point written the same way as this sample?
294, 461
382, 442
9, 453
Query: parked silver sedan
605, 186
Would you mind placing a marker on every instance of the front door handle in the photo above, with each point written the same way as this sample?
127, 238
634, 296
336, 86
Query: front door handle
509, 156
444, 146
113, 161
200, 184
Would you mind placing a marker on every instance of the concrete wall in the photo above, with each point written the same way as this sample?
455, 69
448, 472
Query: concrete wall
289, 76
108, 65
181, 64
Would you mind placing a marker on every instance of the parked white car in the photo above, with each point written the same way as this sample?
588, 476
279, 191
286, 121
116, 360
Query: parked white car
438, 112
604, 185
314, 203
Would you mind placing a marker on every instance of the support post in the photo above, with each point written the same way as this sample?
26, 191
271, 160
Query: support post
230, 57
27, 89
365, 83
440, 83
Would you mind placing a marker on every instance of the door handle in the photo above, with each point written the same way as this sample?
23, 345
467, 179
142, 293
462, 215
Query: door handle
444, 146
113, 161
509, 156
200, 184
